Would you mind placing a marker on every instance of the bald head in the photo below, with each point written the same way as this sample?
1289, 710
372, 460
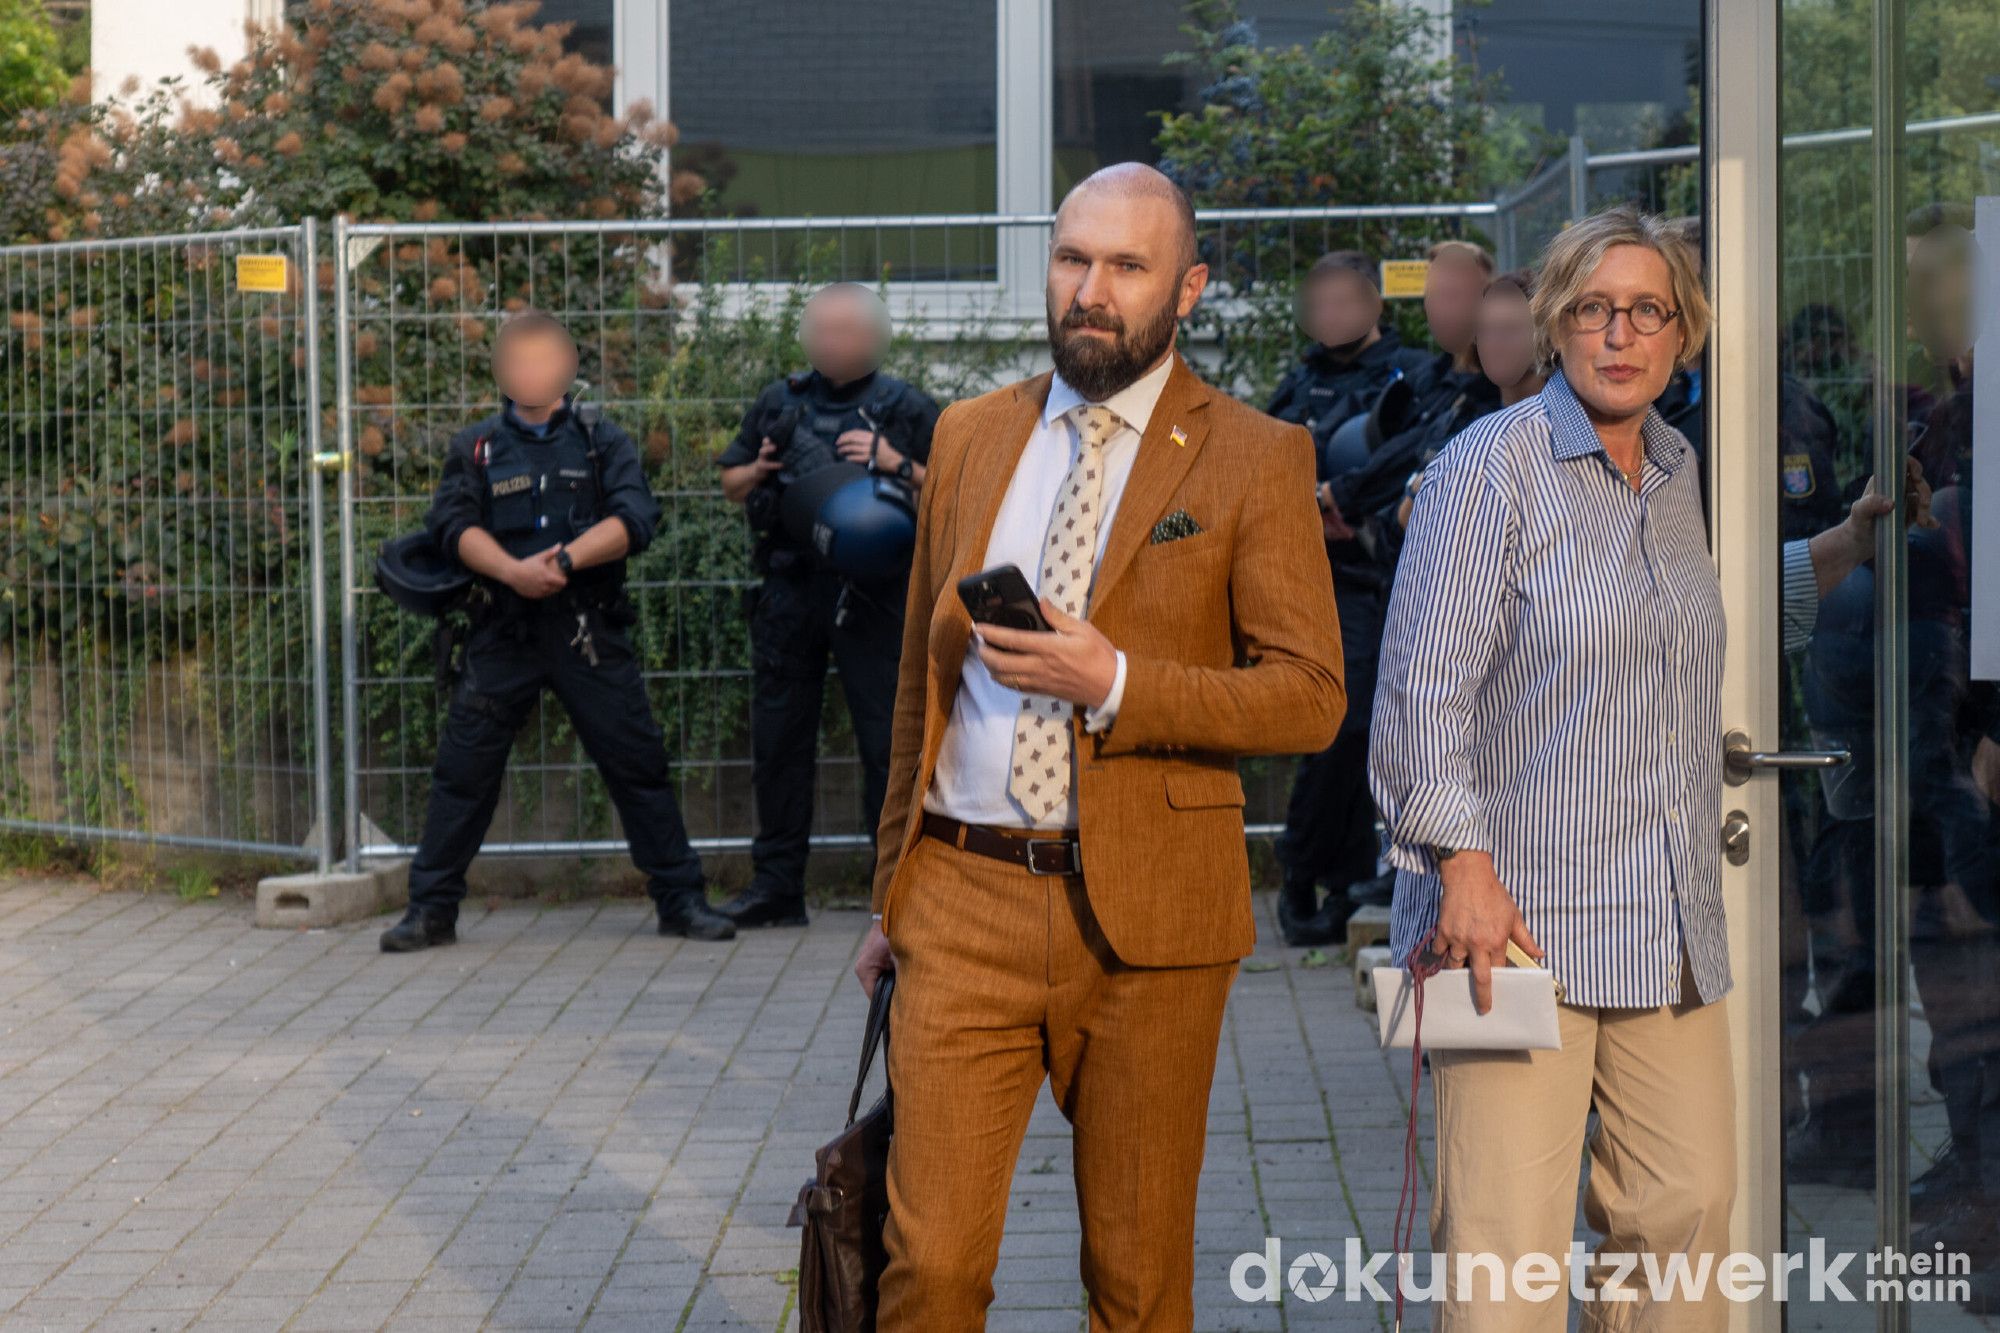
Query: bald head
845, 329
1146, 190
1123, 272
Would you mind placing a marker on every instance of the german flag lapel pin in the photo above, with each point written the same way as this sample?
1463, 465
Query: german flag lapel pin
1178, 436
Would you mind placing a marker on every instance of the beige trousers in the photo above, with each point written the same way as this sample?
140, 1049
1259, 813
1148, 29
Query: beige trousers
1510, 1130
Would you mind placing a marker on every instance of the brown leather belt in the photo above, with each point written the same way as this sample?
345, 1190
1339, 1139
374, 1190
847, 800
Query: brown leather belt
1041, 852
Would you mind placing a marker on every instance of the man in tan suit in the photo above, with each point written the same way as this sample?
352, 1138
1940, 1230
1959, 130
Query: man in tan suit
1062, 888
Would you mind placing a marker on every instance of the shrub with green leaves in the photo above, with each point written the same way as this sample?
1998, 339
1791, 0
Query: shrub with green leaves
385, 110
1375, 110
31, 69
154, 414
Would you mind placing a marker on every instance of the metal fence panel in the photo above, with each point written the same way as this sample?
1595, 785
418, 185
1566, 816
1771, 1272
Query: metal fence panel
159, 404
679, 324
165, 655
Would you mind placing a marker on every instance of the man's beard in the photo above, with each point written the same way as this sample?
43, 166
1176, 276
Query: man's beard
1098, 369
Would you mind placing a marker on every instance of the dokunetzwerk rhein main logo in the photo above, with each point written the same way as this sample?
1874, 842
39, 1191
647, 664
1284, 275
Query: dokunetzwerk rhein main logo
1819, 1274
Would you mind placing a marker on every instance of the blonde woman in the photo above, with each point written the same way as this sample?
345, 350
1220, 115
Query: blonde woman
1547, 758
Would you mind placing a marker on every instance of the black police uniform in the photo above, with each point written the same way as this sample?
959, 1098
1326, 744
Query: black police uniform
801, 614
1329, 832
1444, 401
1323, 390
531, 490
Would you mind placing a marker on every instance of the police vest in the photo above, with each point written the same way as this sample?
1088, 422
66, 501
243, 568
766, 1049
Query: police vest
830, 421
775, 552
538, 495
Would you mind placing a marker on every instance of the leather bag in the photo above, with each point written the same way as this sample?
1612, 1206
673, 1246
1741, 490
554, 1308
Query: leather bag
845, 1206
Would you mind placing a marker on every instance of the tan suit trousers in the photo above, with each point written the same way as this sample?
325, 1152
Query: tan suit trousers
1003, 978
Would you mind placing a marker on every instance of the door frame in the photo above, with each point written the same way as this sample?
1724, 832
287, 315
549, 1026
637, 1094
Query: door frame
1740, 116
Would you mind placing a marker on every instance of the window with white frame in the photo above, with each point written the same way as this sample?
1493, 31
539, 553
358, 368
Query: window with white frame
836, 107
591, 26
867, 107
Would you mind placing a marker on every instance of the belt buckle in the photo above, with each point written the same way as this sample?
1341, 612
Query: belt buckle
1067, 844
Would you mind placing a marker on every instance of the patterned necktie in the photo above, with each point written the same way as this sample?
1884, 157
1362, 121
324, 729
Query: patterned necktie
1042, 742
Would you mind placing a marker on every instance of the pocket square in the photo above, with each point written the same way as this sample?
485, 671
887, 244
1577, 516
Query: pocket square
1175, 526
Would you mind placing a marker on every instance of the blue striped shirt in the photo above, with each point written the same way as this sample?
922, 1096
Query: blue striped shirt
1548, 694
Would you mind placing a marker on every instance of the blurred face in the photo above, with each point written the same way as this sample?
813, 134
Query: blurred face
1940, 291
1617, 371
1505, 336
535, 370
1340, 307
1116, 292
845, 334
1452, 290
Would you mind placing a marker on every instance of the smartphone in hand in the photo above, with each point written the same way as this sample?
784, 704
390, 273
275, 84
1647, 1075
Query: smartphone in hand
1001, 596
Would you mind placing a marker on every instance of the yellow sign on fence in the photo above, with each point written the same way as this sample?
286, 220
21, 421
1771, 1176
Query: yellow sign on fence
1404, 277
260, 273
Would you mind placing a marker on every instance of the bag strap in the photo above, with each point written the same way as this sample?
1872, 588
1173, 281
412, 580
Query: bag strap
876, 1035
1422, 965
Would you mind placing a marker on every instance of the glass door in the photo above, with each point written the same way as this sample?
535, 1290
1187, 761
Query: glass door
1886, 666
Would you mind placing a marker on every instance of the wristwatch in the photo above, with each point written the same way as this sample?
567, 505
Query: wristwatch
906, 469
1444, 854
563, 562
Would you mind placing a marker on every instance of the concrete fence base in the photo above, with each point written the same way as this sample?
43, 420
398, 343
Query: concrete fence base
313, 901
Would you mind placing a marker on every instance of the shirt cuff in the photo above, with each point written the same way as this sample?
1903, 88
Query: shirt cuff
1101, 717
1799, 595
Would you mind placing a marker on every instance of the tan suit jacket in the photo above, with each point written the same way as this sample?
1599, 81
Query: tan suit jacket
1231, 642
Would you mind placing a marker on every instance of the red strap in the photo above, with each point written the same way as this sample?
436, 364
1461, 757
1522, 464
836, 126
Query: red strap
1422, 967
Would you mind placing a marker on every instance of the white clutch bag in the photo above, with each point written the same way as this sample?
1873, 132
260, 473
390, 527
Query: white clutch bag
1523, 1016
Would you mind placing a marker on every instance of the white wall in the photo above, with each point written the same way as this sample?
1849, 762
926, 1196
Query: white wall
150, 38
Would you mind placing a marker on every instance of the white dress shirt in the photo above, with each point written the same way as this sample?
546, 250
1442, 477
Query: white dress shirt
977, 755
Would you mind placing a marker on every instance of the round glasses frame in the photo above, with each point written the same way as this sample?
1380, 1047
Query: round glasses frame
1594, 316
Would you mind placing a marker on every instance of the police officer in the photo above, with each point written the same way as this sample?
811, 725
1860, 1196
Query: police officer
1352, 356
544, 506
803, 612
1454, 390
1329, 831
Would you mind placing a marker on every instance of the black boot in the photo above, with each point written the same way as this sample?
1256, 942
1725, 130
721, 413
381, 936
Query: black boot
1301, 920
1331, 918
766, 904
686, 912
419, 930
1832, 1147
1379, 891
1951, 1178
1966, 1226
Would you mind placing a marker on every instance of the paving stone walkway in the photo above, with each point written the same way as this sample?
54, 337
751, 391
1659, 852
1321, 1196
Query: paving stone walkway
563, 1122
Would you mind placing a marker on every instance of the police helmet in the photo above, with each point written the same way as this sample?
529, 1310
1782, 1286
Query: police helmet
418, 576
859, 524
1348, 447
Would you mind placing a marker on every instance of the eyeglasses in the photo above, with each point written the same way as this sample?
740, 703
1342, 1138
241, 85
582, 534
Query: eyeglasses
1592, 315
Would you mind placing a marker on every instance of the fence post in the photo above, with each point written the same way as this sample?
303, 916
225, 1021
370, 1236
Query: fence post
1504, 236
1579, 178
343, 343
317, 462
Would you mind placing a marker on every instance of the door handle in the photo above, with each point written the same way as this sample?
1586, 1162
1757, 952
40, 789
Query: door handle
1739, 761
